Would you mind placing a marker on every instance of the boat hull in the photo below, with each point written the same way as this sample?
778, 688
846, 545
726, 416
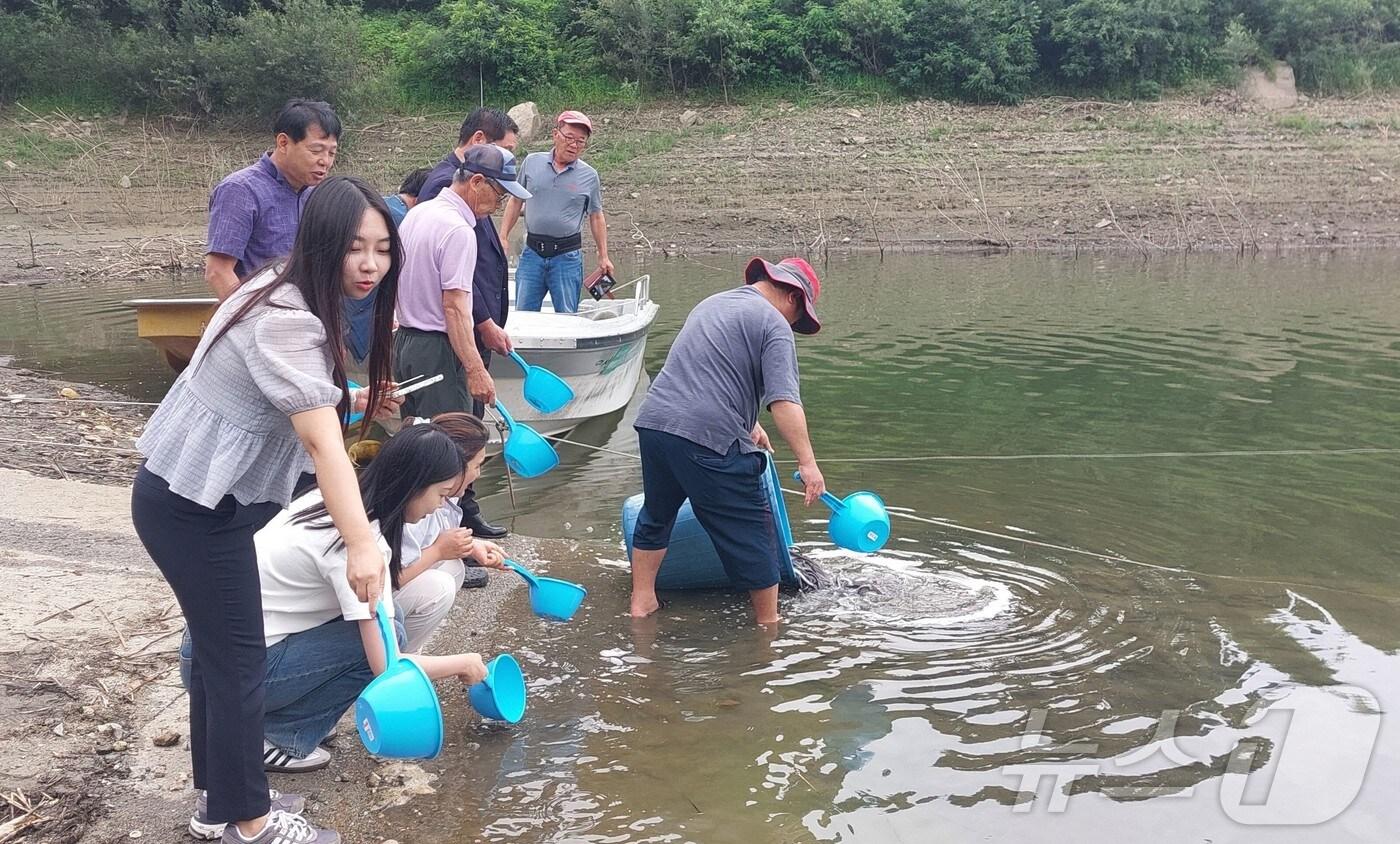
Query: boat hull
173, 326
599, 351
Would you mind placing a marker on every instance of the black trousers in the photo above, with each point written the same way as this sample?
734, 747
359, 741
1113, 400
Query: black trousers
429, 353
208, 558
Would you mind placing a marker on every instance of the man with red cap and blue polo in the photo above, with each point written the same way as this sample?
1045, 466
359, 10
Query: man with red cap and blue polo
700, 437
566, 193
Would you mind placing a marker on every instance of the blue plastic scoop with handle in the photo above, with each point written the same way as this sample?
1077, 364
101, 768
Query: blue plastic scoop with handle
545, 391
398, 714
859, 522
550, 597
527, 453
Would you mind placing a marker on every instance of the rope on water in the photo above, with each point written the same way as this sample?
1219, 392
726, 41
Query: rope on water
637, 457
1291, 452
1115, 558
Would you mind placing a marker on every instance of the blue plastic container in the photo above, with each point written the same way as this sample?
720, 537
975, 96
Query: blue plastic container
545, 391
859, 522
691, 561
550, 597
528, 454
398, 714
352, 418
501, 696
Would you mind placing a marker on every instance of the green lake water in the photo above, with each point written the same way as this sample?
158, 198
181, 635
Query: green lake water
1220, 667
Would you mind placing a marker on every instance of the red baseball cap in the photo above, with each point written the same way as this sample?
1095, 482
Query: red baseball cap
576, 118
794, 272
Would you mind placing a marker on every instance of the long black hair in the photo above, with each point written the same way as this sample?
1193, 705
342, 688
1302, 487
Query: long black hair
410, 462
329, 225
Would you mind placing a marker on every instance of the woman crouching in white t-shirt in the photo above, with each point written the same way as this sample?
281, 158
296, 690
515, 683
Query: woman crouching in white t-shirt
323, 646
436, 550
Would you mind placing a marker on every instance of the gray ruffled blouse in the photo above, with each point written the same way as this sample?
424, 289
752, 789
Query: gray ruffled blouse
223, 429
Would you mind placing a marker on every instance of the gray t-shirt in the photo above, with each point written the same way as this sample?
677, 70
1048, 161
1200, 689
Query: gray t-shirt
560, 201
734, 354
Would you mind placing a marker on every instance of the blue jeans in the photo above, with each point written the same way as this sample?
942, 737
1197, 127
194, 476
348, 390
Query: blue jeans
313, 677
561, 276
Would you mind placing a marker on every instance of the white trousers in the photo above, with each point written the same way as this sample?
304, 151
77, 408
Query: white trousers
425, 601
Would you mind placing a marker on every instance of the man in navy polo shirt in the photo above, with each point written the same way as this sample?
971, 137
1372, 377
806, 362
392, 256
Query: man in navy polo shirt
253, 212
566, 194
700, 438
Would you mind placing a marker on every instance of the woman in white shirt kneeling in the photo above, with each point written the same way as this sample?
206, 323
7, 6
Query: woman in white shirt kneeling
439, 557
323, 646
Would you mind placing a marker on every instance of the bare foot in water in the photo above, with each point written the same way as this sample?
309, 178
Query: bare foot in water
643, 607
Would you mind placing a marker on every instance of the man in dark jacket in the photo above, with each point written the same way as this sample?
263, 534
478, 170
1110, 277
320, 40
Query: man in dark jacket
490, 292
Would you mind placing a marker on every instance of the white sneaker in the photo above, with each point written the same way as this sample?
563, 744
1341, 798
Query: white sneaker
284, 828
279, 761
205, 830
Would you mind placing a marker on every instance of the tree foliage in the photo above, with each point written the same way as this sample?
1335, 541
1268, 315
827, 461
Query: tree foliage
244, 56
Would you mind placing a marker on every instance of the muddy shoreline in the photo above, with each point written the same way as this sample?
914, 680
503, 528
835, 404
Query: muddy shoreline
94, 738
102, 197
93, 720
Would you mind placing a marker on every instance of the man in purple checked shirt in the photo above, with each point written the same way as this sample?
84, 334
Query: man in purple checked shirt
253, 212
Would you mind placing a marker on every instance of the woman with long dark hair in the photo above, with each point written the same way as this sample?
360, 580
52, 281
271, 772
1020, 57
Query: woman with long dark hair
323, 643
261, 402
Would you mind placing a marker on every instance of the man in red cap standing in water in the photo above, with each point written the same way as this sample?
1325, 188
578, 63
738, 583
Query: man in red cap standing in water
700, 437
565, 192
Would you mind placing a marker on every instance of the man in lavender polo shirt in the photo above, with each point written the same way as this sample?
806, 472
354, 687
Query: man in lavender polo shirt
435, 333
253, 212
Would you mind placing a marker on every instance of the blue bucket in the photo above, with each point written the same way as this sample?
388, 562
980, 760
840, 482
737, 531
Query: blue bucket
527, 453
545, 391
859, 522
691, 561
501, 695
398, 714
550, 597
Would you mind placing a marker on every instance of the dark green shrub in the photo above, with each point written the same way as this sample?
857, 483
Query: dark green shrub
1385, 66
17, 49
1331, 69
1111, 42
503, 45
979, 50
309, 49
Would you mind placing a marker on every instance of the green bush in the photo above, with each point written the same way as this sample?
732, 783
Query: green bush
244, 57
17, 63
979, 50
1240, 46
505, 45
309, 49
1384, 60
1111, 42
874, 30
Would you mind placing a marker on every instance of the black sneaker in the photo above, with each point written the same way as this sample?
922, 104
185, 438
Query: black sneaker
279, 761
475, 578
205, 830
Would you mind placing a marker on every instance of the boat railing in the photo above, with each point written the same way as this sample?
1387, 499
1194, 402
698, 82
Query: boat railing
613, 308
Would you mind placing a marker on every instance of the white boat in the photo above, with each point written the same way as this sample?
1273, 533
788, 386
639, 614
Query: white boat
598, 351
